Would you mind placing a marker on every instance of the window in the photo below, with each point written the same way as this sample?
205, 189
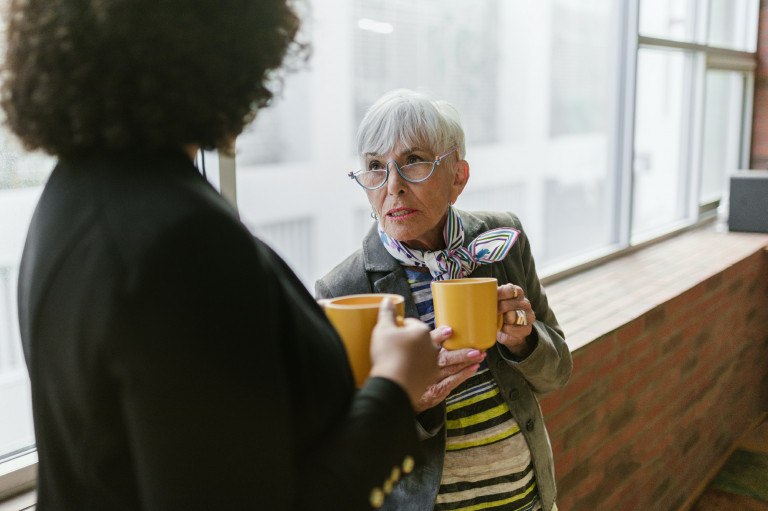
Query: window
723, 132
733, 24
536, 84
21, 177
662, 132
577, 113
692, 108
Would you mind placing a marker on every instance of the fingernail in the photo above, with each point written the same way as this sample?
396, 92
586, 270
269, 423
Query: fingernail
446, 330
476, 367
474, 353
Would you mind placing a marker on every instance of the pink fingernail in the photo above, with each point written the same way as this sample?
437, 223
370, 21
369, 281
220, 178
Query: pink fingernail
474, 353
447, 330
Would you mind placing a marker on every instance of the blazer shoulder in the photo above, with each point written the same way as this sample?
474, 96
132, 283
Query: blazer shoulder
348, 277
495, 219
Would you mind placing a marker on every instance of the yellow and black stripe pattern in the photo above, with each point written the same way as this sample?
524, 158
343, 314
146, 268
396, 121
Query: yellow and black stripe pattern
487, 460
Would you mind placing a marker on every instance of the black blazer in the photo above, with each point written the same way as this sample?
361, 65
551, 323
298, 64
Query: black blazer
177, 363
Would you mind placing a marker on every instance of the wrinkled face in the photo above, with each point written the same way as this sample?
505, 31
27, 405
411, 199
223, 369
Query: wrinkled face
415, 213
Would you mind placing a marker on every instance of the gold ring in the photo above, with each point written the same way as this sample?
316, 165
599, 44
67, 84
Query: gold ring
514, 294
522, 319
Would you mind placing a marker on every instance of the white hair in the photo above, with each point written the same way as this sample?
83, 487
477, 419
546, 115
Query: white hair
403, 117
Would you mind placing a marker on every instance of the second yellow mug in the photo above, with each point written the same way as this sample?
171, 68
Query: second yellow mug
353, 317
469, 307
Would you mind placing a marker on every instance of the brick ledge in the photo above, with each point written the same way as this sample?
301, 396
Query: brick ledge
601, 300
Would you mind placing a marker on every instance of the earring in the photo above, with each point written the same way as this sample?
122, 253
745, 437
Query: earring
374, 215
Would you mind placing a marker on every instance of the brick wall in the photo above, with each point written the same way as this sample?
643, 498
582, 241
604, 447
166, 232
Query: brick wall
759, 157
653, 406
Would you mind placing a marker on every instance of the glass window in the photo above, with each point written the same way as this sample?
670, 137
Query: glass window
535, 83
669, 19
722, 132
21, 177
733, 24
661, 137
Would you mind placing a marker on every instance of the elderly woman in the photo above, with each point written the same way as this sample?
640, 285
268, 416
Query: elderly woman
481, 425
174, 359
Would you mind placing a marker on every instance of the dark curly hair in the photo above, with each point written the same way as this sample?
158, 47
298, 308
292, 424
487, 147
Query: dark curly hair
85, 75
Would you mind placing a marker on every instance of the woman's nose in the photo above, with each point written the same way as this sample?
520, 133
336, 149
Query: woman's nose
395, 182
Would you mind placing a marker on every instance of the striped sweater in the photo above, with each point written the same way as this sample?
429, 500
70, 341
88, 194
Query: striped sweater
487, 461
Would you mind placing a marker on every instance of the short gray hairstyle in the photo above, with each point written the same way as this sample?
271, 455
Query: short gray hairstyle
407, 117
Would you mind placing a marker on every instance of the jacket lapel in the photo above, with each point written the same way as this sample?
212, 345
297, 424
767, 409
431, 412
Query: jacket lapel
385, 273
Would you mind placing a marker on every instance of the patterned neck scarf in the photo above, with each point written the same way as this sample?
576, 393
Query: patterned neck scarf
455, 261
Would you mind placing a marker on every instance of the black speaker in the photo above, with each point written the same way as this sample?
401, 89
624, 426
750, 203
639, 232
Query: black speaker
748, 201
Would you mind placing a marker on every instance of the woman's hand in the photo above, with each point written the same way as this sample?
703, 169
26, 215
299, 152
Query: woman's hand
518, 320
456, 366
406, 355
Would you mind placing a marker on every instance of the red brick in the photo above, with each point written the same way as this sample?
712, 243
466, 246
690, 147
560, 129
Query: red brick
652, 395
596, 352
630, 332
565, 462
551, 402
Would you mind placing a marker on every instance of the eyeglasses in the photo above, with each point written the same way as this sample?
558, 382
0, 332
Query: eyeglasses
413, 172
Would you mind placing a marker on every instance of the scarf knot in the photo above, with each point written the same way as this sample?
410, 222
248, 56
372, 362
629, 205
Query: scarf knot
455, 261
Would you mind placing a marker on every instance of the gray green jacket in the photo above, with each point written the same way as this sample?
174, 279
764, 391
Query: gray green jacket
547, 368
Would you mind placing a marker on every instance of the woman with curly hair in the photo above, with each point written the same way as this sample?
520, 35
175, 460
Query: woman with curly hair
175, 361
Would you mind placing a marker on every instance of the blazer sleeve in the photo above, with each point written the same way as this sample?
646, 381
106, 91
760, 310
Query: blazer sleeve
549, 366
208, 391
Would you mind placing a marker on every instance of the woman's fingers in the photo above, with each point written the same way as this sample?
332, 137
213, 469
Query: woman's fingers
518, 318
509, 292
441, 334
387, 313
439, 391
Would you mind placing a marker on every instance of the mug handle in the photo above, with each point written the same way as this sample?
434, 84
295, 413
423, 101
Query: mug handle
499, 322
400, 321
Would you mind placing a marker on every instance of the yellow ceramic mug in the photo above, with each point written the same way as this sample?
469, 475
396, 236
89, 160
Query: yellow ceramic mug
469, 307
353, 317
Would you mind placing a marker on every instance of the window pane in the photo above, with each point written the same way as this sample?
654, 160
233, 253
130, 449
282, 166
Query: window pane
536, 86
661, 128
21, 177
722, 132
669, 19
733, 24
448, 47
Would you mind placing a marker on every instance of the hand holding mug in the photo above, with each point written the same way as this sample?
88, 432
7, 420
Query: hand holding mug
404, 354
469, 307
354, 318
456, 366
518, 320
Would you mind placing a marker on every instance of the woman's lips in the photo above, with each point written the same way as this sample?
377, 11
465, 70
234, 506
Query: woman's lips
401, 213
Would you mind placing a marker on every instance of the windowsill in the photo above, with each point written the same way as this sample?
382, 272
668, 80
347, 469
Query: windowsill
18, 476
600, 300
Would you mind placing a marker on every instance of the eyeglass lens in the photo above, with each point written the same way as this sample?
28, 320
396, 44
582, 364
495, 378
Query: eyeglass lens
412, 172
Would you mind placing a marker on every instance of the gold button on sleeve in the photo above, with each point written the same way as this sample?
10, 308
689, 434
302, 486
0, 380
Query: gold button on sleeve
387, 486
408, 464
395, 477
377, 498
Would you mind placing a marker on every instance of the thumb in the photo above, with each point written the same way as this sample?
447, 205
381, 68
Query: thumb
386, 313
